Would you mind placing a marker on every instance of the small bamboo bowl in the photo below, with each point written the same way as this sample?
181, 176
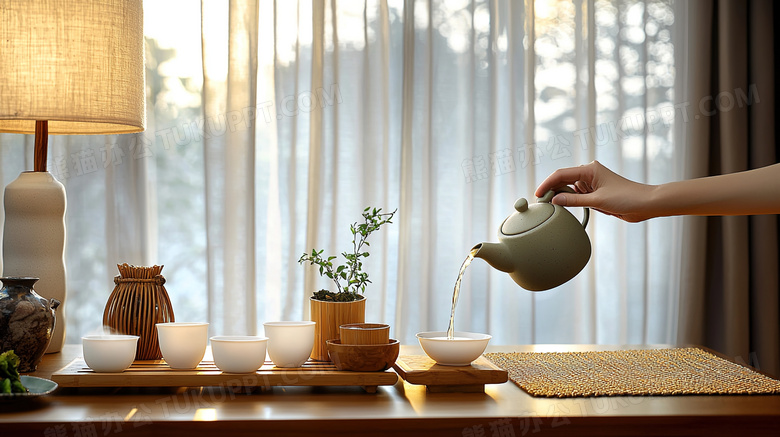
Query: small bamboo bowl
364, 333
363, 357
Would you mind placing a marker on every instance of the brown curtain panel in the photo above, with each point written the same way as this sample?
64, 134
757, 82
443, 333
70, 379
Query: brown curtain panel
729, 294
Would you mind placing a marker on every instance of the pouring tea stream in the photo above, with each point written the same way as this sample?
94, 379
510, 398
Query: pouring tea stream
540, 246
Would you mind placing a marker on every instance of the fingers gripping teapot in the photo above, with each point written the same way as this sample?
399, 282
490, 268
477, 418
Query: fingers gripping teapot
541, 245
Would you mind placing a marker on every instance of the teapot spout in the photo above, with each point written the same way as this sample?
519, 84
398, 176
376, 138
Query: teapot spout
495, 254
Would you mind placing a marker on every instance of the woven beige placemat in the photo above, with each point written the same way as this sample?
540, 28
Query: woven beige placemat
630, 372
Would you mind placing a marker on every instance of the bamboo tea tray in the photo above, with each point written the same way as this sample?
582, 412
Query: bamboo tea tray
419, 369
156, 373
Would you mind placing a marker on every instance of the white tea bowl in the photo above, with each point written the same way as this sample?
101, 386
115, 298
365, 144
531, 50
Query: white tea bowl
183, 344
238, 353
461, 350
109, 353
289, 343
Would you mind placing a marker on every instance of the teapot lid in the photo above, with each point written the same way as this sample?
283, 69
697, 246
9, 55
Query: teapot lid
527, 217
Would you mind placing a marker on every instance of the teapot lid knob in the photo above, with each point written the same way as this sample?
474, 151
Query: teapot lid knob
521, 205
526, 217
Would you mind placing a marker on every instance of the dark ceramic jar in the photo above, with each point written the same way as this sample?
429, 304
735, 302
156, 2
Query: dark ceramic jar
26, 321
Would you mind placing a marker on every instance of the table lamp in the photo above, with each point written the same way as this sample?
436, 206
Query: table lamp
67, 67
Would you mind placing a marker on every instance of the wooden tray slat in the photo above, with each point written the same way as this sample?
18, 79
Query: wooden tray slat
155, 373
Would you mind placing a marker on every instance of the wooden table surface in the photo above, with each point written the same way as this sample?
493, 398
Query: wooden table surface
404, 409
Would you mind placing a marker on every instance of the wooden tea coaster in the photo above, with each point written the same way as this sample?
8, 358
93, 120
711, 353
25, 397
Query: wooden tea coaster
419, 369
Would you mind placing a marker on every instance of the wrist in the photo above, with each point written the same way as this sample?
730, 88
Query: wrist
657, 204
681, 198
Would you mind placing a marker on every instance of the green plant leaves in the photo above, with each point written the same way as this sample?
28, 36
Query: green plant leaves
351, 272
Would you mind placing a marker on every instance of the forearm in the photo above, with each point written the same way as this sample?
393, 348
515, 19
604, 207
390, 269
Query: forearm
744, 193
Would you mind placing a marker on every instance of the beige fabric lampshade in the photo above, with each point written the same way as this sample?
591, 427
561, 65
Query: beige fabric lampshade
77, 63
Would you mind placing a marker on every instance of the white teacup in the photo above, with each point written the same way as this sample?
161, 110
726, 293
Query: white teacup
289, 343
183, 344
109, 353
238, 353
461, 350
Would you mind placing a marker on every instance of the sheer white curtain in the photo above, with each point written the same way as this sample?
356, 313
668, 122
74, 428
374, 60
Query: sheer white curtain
308, 111
448, 111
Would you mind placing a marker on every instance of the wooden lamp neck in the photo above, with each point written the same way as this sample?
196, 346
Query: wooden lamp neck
41, 144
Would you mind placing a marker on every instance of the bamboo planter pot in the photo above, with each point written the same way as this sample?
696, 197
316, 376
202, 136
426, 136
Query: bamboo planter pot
329, 316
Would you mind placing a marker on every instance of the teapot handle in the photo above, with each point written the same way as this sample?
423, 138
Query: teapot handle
547, 198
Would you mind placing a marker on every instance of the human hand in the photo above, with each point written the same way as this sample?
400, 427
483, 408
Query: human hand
601, 189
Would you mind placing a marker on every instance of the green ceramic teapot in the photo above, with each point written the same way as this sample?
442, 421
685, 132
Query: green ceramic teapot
541, 245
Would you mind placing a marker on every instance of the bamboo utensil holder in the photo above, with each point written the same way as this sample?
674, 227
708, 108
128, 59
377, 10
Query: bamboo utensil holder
138, 302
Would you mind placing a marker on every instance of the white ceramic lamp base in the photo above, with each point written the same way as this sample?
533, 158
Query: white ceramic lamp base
34, 239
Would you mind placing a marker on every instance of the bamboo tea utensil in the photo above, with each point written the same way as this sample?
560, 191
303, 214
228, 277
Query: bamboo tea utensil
138, 302
364, 333
328, 317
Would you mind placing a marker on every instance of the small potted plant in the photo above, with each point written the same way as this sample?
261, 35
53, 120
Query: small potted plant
330, 309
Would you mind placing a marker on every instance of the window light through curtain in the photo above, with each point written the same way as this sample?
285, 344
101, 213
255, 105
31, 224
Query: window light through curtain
270, 137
